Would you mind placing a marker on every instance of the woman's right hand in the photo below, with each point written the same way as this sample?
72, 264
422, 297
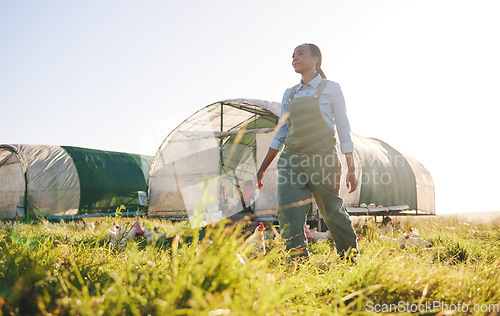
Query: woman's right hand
257, 180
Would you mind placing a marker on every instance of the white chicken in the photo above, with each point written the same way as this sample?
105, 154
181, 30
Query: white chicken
418, 242
4, 224
406, 239
257, 239
116, 235
385, 238
318, 236
401, 240
70, 225
148, 234
80, 225
153, 235
388, 229
414, 232
91, 226
398, 226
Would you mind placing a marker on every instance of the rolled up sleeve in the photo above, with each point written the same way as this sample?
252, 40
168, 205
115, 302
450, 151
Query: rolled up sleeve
341, 121
279, 138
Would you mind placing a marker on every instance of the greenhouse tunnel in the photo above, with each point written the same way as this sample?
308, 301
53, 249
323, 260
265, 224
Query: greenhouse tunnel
42, 181
216, 152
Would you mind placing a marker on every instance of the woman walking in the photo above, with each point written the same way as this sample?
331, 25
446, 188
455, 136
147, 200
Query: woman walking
309, 164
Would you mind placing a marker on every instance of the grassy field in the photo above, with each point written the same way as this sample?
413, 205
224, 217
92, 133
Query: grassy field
65, 270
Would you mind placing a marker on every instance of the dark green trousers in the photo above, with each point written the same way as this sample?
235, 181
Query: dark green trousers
300, 177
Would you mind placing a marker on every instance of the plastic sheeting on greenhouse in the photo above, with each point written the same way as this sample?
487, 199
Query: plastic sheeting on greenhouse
205, 167
45, 180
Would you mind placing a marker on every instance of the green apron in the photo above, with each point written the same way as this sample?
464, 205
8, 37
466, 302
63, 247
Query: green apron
309, 166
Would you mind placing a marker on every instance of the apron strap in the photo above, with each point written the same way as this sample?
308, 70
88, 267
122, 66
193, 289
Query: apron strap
321, 86
292, 93
294, 89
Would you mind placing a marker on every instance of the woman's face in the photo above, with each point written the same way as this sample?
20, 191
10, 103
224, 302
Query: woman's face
303, 60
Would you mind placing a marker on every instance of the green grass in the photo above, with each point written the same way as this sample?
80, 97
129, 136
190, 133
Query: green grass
62, 270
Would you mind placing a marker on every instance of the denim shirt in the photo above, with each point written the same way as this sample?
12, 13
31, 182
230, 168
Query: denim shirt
332, 107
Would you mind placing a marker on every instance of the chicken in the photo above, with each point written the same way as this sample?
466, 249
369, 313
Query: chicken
6, 224
385, 238
91, 226
257, 239
131, 233
158, 233
406, 239
116, 235
148, 234
307, 232
80, 225
398, 226
385, 221
69, 225
414, 232
358, 228
153, 235
113, 232
317, 236
418, 242
136, 229
402, 240
387, 229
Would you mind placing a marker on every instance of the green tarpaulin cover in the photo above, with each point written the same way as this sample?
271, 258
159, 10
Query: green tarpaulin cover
108, 179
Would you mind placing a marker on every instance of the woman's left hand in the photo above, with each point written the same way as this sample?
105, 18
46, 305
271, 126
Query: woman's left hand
351, 180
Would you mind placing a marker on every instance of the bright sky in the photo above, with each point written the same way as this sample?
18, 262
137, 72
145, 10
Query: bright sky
119, 75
